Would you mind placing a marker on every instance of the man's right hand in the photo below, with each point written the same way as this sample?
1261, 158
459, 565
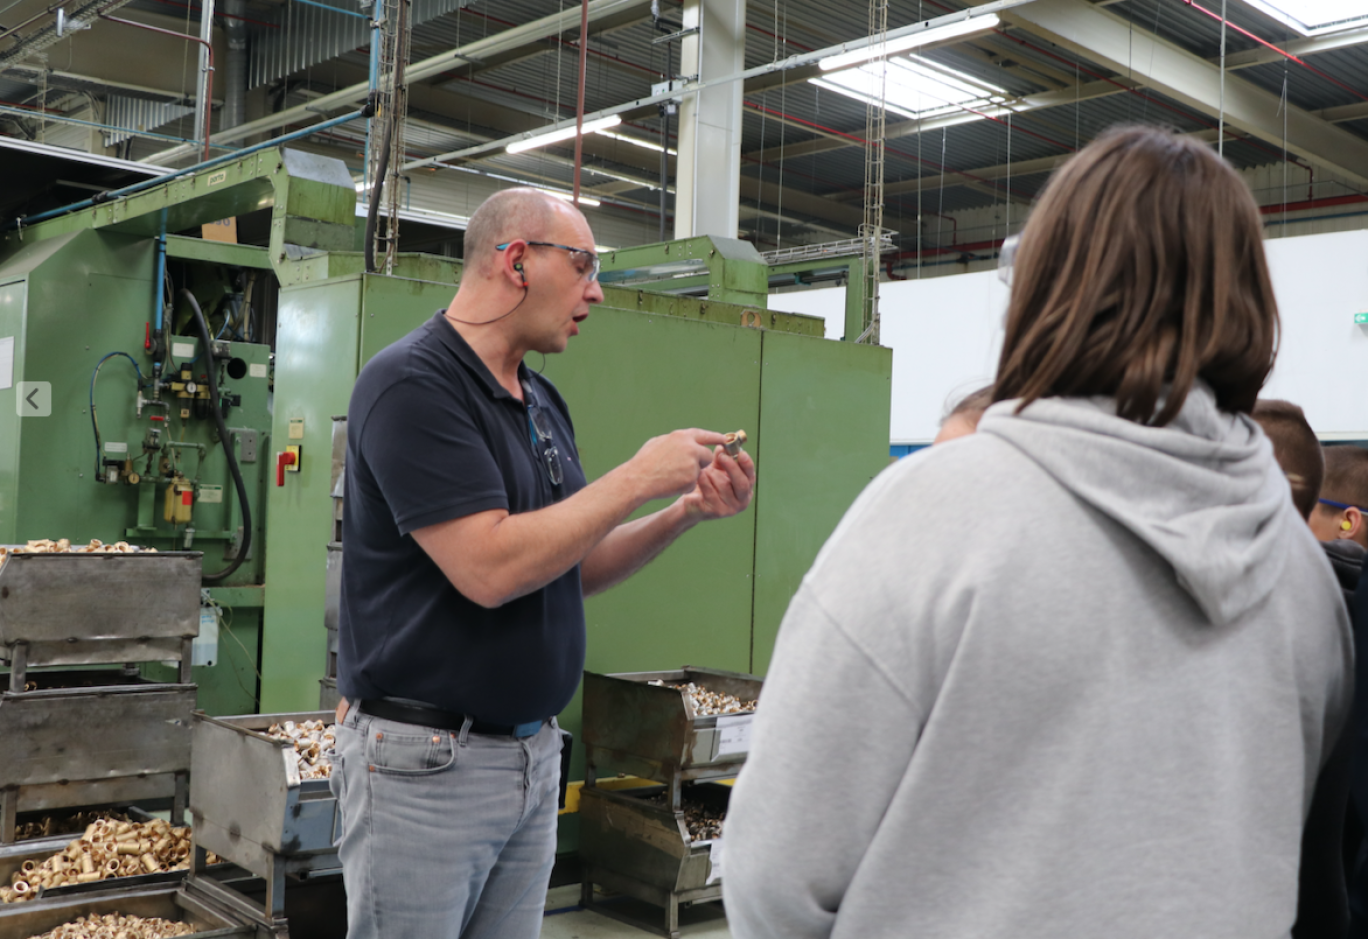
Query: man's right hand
669, 465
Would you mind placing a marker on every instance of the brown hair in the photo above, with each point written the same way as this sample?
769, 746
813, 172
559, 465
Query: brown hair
1295, 447
1141, 266
1346, 475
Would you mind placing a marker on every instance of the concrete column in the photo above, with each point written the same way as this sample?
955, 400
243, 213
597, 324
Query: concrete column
707, 183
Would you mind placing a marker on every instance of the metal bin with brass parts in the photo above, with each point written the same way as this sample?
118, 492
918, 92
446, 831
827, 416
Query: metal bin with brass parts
641, 849
249, 805
177, 903
633, 727
97, 609
83, 738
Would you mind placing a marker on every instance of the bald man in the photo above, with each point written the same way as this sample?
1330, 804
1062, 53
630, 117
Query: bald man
470, 539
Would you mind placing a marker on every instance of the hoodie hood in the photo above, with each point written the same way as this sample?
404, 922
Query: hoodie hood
1204, 492
1346, 559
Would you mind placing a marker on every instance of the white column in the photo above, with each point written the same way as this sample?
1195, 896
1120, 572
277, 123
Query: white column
707, 183
202, 102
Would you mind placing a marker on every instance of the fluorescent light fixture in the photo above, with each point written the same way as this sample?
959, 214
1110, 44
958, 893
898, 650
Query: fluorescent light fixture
977, 24
565, 133
1315, 17
637, 141
911, 86
569, 196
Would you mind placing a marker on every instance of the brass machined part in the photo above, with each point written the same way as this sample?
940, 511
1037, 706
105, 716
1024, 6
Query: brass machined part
734, 443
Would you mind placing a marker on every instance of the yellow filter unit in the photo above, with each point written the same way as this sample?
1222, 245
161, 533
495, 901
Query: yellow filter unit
180, 501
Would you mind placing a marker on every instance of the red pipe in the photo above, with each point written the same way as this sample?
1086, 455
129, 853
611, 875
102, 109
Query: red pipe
1279, 208
208, 79
1301, 62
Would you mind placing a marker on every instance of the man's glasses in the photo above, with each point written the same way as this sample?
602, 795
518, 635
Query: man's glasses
1342, 505
540, 429
586, 262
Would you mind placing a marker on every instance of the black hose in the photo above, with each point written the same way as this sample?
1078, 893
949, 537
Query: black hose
377, 189
233, 467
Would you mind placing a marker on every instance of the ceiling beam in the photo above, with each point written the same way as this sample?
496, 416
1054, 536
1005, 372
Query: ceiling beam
499, 43
1298, 47
1112, 41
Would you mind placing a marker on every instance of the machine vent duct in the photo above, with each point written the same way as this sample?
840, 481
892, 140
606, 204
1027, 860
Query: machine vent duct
309, 34
138, 114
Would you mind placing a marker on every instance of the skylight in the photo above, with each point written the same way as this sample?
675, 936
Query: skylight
914, 87
1315, 17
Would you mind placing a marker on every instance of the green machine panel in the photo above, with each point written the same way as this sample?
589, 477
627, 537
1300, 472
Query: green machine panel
66, 303
326, 331
824, 419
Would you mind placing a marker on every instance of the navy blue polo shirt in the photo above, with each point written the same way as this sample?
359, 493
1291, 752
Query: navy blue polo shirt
432, 436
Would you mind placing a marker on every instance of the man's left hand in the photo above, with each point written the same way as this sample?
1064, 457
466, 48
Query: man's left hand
724, 487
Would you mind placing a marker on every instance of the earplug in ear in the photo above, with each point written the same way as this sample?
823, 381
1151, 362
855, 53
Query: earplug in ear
1345, 525
518, 267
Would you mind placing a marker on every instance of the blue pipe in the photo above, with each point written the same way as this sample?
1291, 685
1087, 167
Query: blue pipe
161, 272
160, 180
315, 3
374, 86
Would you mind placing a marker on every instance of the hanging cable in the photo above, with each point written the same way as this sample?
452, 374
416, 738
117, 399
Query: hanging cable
216, 406
1220, 124
94, 421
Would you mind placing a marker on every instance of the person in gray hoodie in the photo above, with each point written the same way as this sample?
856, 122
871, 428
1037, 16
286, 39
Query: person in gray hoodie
1109, 718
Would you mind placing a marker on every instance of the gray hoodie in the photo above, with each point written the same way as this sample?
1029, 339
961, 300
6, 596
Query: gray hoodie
1068, 677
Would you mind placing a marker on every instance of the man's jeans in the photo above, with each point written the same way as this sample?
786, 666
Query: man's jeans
445, 834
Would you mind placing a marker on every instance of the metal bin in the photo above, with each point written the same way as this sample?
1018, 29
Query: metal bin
92, 738
91, 609
249, 805
642, 850
651, 731
179, 903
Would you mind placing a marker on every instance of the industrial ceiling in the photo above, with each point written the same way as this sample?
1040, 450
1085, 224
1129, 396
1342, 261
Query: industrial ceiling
1048, 77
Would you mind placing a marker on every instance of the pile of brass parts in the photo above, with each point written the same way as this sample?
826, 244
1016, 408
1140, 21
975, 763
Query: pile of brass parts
64, 546
107, 849
313, 742
704, 822
50, 825
710, 703
117, 926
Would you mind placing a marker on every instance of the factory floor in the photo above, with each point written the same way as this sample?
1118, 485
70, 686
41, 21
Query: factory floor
565, 920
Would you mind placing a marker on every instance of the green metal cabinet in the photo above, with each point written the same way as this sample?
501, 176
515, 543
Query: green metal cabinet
65, 302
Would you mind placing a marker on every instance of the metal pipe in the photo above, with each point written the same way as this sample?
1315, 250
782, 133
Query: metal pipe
507, 40
208, 78
235, 70
315, 3
63, 119
161, 180
579, 105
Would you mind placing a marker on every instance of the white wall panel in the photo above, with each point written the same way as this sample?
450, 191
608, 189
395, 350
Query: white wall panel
946, 333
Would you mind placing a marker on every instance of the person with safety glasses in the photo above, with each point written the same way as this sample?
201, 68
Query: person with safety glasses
470, 539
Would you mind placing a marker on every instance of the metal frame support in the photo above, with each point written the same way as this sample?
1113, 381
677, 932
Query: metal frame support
737, 273
313, 204
708, 178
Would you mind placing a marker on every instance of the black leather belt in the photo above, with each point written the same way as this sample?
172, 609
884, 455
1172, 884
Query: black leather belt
442, 720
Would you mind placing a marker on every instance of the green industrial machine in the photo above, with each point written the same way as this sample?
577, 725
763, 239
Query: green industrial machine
82, 285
